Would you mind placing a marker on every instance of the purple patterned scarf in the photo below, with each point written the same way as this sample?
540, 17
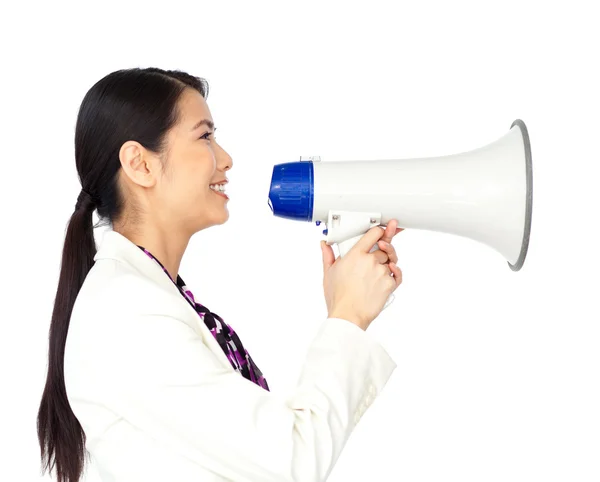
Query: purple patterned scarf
225, 335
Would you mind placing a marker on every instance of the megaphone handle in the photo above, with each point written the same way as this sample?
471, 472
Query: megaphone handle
347, 245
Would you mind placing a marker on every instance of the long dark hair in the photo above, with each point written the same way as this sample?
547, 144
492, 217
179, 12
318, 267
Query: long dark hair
132, 104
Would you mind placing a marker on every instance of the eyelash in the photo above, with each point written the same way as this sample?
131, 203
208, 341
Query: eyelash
204, 135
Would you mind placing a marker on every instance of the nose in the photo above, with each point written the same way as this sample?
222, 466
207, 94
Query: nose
225, 161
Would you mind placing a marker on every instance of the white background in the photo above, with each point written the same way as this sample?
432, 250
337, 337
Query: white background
498, 372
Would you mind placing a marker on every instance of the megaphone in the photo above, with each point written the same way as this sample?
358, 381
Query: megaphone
485, 194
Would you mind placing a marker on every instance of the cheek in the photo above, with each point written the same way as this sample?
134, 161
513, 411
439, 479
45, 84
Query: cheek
192, 175
183, 188
197, 175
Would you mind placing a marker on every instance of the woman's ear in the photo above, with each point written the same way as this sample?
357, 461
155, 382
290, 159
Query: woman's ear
138, 164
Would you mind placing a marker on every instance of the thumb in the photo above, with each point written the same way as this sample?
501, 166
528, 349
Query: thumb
328, 255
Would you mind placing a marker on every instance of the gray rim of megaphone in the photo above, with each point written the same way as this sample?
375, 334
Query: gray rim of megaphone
529, 197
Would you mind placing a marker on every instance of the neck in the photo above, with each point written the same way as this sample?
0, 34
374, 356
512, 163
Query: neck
167, 247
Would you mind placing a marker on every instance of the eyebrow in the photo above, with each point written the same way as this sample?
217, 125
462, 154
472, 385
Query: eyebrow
207, 122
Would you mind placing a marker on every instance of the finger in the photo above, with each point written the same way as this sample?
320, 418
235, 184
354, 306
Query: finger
389, 249
369, 239
328, 255
390, 231
397, 273
376, 233
381, 256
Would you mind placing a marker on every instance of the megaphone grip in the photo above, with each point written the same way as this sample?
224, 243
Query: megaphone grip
347, 245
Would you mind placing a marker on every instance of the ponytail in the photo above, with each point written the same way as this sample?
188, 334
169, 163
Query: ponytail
60, 434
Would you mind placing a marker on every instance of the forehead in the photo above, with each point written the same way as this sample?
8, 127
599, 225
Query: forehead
192, 109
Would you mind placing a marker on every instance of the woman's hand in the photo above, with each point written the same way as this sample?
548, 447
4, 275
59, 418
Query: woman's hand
357, 285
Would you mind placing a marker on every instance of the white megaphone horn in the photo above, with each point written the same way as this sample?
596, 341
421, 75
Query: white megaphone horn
485, 194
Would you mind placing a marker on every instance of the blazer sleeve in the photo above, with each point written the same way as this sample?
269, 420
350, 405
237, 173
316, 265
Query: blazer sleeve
168, 383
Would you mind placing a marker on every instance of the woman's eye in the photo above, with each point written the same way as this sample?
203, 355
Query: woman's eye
205, 135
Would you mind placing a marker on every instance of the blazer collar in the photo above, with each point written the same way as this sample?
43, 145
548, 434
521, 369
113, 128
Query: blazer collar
116, 246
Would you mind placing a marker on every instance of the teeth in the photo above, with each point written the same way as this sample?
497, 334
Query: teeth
218, 187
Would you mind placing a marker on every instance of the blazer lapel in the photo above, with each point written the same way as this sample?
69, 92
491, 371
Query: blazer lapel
116, 246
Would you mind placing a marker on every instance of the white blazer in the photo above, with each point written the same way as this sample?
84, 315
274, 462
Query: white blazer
159, 400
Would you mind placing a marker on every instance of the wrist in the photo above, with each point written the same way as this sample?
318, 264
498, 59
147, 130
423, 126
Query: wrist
349, 318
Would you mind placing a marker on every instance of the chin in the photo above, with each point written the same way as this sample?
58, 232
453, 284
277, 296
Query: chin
215, 217
222, 218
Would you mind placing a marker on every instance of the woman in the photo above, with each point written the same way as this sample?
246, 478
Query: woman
144, 378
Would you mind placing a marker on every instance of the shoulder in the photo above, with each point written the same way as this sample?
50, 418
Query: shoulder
116, 292
119, 310
112, 276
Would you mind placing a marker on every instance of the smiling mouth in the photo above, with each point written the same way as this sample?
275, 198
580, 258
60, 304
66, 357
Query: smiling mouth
222, 194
